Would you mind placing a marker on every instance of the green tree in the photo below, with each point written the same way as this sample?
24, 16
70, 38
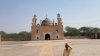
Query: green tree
70, 31
94, 30
25, 35
87, 31
18, 36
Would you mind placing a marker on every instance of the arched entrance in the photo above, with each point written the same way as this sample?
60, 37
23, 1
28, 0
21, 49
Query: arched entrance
47, 36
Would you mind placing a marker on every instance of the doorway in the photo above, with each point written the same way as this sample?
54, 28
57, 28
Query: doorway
47, 36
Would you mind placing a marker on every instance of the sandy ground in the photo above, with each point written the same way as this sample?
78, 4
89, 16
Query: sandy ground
80, 47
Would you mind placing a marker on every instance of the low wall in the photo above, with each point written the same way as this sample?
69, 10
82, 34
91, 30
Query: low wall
76, 37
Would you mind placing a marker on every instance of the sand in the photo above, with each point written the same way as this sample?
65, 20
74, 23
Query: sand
80, 47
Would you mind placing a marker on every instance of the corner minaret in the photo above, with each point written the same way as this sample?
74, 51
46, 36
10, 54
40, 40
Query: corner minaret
59, 19
60, 26
34, 20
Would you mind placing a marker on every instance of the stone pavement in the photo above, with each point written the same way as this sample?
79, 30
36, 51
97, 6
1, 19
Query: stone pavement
81, 47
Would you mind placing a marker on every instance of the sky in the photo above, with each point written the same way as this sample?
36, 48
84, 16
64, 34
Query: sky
16, 15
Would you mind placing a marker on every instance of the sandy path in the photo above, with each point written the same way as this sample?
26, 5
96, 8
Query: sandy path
46, 49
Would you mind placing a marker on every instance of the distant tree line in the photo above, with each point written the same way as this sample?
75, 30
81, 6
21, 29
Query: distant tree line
21, 36
82, 31
69, 31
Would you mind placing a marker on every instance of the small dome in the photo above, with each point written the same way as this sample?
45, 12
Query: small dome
47, 21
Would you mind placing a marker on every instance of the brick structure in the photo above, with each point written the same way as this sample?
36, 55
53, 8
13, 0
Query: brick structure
95, 35
47, 29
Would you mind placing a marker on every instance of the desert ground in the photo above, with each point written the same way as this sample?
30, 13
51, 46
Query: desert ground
80, 47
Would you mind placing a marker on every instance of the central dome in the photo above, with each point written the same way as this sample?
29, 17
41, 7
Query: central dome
47, 21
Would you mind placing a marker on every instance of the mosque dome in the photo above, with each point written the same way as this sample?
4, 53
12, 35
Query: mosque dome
47, 21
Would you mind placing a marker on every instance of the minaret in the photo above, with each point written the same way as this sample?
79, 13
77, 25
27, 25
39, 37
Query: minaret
59, 19
33, 27
40, 22
60, 26
34, 19
53, 22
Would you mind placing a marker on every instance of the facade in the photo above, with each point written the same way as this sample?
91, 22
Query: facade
47, 29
